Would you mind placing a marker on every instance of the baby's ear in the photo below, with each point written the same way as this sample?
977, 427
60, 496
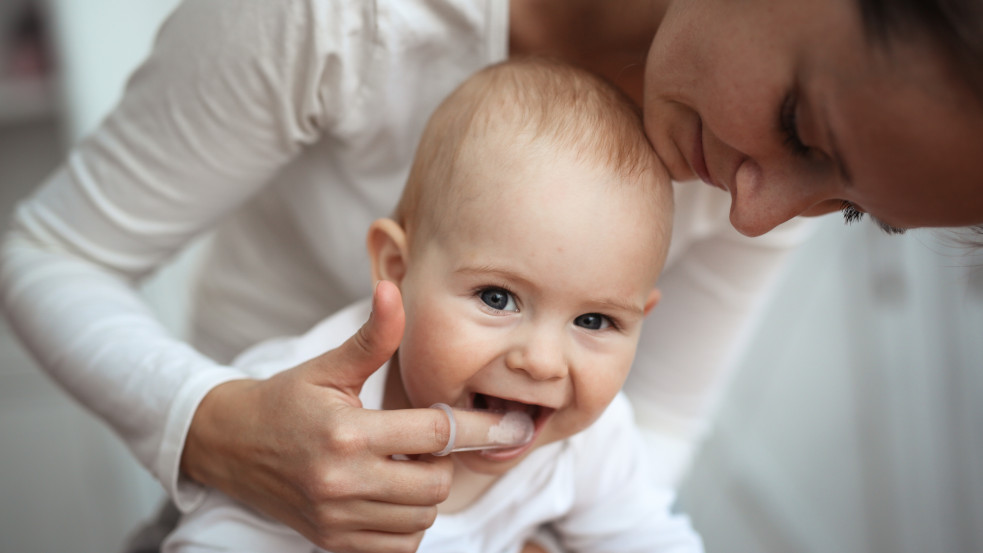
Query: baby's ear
388, 252
652, 300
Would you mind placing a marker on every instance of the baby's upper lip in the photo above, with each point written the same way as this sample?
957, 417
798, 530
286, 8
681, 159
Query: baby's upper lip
517, 399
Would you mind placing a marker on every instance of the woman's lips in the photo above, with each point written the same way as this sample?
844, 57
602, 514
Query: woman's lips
699, 162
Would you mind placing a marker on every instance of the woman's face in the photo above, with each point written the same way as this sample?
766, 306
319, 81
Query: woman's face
788, 106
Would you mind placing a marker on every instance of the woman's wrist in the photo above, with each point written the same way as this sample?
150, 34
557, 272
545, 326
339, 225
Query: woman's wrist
214, 428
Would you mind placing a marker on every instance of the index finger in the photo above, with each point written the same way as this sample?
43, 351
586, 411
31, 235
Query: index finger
417, 431
474, 429
408, 431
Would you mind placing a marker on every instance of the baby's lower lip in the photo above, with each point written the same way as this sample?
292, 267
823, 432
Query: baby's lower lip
505, 454
509, 453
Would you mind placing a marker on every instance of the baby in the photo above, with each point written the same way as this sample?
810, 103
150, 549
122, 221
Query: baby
526, 246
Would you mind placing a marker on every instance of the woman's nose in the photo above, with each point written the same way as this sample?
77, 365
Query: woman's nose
539, 353
762, 201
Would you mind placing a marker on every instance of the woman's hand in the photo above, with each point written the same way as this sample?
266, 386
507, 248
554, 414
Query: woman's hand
300, 448
533, 547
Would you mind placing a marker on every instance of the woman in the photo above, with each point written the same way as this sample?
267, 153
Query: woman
289, 126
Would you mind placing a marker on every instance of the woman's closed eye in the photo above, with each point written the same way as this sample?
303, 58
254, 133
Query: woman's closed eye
788, 123
498, 299
593, 321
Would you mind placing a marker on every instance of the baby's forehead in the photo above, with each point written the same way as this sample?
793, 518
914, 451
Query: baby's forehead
538, 173
538, 184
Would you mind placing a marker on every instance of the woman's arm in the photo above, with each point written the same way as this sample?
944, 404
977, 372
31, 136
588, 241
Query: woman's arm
712, 296
204, 123
231, 93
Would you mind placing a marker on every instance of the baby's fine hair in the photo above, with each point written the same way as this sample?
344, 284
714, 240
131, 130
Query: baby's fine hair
545, 107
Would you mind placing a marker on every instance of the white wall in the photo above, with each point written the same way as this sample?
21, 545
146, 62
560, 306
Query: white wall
99, 43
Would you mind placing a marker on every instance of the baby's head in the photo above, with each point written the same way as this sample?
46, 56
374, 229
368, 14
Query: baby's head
527, 245
518, 113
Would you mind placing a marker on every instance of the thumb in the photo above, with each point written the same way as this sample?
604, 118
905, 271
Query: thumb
351, 363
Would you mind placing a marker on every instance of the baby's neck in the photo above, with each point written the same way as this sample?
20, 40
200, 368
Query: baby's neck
467, 485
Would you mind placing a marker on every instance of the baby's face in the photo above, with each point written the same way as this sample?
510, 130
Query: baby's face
531, 298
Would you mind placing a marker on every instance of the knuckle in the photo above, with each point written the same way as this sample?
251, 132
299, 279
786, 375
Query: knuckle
329, 521
441, 486
332, 542
408, 544
414, 542
428, 517
441, 431
345, 440
333, 485
364, 340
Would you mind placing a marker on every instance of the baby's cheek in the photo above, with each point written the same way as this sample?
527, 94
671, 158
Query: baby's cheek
435, 362
597, 389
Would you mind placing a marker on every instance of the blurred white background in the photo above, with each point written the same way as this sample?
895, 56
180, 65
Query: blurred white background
853, 424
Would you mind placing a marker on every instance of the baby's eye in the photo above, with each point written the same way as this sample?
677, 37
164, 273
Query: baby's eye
592, 321
499, 299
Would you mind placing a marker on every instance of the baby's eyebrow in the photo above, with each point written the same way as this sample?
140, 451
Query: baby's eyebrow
624, 306
493, 270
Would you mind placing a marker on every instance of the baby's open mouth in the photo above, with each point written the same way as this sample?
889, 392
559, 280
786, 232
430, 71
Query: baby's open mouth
538, 413
484, 402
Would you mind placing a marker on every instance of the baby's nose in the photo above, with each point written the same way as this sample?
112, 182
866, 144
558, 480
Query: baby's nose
540, 354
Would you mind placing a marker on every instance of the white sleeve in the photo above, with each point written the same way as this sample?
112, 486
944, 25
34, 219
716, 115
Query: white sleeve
222, 524
712, 296
231, 93
618, 505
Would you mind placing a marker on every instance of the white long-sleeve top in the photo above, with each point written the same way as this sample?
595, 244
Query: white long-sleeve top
288, 126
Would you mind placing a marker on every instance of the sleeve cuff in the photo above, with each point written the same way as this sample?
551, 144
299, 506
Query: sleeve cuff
186, 493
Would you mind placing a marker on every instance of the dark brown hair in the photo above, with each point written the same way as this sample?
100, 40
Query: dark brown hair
956, 26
